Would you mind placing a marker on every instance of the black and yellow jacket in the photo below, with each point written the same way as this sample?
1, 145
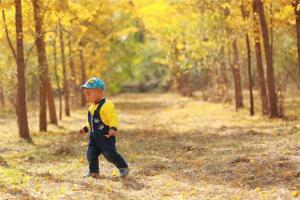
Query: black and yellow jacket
107, 113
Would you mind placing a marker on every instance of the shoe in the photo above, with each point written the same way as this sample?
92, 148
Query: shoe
93, 175
87, 175
124, 172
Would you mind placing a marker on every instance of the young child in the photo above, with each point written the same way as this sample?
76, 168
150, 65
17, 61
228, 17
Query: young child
102, 127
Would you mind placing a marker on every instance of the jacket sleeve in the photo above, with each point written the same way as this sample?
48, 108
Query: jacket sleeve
87, 127
110, 114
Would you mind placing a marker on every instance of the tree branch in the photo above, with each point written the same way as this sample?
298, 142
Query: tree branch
7, 35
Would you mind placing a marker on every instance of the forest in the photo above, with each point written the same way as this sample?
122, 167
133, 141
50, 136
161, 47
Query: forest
207, 94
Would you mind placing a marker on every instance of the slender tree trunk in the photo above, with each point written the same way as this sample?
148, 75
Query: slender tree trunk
65, 81
250, 75
268, 54
259, 63
56, 74
21, 95
2, 100
72, 69
224, 81
83, 75
297, 15
46, 87
271, 29
237, 77
245, 13
175, 70
204, 81
51, 103
43, 108
185, 87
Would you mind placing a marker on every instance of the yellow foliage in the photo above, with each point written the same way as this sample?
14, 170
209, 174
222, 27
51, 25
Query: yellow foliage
114, 173
125, 32
108, 188
295, 193
180, 46
6, 4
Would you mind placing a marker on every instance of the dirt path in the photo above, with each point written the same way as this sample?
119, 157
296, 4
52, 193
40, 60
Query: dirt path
178, 148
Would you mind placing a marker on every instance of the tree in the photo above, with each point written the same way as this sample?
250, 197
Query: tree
231, 28
83, 75
259, 63
237, 77
296, 5
45, 85
56, 73
65, 81
72, 69
21, 107
269, 61
223, 76
2, 100
245, 13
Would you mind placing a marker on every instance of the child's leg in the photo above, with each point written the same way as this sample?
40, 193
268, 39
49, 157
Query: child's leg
93, 153
108, 148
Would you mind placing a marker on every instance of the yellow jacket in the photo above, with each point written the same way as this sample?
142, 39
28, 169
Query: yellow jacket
107, 112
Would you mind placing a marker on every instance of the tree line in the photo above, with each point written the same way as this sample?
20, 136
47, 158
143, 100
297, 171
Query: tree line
179, 46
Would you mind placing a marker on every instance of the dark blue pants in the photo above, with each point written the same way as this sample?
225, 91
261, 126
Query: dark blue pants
100, 144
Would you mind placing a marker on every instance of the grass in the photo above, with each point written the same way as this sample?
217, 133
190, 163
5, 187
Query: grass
177, 148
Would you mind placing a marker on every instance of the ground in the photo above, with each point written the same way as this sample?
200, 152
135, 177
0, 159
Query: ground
177, 148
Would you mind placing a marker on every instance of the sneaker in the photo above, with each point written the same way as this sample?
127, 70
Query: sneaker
124, 172
93, 175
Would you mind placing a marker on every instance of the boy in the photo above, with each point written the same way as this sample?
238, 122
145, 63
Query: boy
102, 127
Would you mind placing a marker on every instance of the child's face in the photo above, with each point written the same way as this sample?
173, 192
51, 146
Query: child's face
93, 95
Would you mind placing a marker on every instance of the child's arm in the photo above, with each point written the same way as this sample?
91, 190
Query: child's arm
84, 129
112, 118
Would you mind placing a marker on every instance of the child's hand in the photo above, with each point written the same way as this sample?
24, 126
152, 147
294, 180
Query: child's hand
111, 133
81, 132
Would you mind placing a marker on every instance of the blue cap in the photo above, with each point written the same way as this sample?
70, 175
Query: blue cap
94, 83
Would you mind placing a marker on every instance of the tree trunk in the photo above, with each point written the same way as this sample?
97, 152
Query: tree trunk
297, 15
83, 75
237, 77
56, 74
2, 100
175, 69
245, 13
73, 73
185, 87
223, 78
46, 88
204, 82
268, 54
250, 75
259, 63
51, 103
21, 95
65, 81
281, 91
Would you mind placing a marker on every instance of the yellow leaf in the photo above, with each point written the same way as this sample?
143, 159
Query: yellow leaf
295, 193
108, 188
6, 5
181, 58
180, 46
258, 189
114, 173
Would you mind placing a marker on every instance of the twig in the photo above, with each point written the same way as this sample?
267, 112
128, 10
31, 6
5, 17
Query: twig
7, 35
